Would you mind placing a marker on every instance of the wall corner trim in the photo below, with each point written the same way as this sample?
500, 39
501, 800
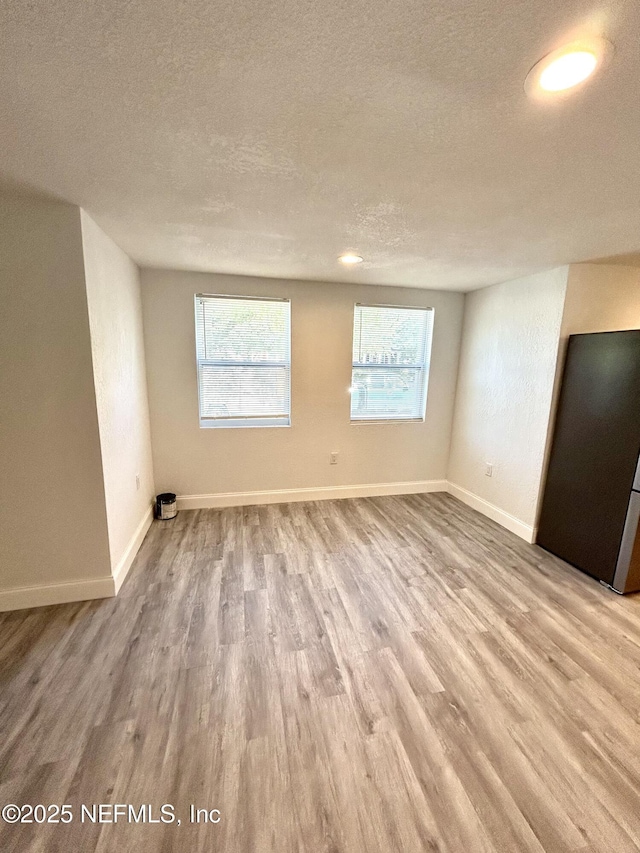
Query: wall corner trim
21, 598
524, 531
319, 493
124, 564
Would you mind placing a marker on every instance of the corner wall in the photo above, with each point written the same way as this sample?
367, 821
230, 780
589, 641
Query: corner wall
117, 345
504, 396
601, 298
54, 543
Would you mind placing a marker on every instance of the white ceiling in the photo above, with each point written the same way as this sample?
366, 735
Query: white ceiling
264, 137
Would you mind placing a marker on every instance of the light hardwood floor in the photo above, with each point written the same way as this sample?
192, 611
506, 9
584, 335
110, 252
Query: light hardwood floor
358, 676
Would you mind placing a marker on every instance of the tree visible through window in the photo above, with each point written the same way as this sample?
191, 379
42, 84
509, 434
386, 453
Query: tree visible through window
391, 352
244, 361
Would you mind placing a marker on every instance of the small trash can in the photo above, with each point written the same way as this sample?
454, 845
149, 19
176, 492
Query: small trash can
166, 506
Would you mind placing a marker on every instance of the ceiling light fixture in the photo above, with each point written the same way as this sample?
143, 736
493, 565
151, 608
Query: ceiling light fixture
564, 69
568, 70
350, 259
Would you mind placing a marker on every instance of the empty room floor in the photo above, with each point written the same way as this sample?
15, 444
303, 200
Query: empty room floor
381, 674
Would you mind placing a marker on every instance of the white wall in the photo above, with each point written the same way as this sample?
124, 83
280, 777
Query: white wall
193, 461
53, 525
601, 298
115, 317
508, 361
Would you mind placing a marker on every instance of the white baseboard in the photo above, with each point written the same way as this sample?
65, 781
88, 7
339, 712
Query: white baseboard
124, 564
524, 531
321, 493
22, 598
57, 593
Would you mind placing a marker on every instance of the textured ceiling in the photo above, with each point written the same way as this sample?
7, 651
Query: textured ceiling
265, 138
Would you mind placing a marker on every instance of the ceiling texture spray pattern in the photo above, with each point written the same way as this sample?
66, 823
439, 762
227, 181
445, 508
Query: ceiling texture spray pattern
269, 138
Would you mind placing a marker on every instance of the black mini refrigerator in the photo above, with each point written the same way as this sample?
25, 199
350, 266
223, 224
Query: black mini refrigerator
591, 506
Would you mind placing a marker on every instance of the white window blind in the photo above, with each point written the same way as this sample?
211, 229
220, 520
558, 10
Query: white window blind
244, 361
391, 352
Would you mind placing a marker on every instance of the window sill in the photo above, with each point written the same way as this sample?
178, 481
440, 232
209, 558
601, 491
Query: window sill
242, 423
378, 421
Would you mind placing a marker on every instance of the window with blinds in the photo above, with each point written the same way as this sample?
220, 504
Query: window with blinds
391, 353
244, 361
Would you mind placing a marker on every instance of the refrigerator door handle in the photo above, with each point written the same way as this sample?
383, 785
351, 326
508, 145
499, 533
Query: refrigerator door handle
627, 574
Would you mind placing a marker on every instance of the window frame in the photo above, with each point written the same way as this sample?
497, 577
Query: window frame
246, 421
425, 367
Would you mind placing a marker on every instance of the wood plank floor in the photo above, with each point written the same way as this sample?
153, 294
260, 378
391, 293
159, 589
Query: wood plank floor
357, 676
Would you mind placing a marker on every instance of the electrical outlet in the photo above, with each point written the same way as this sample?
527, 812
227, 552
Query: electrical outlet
137, 482
333, 458
488, 469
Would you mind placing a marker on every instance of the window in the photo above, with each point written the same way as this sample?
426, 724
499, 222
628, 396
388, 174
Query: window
391, 351
244, 361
